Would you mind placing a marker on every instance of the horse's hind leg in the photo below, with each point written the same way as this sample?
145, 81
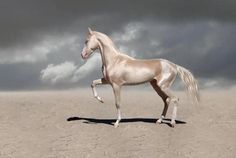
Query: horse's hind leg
171, 99
93, 85
164, 97
162, 88
174, 113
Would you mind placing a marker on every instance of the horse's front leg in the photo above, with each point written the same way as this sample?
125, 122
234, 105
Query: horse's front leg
93, 85
116, 89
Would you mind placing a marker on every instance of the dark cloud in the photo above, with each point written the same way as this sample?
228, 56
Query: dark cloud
27, 20
197, 34
205, 48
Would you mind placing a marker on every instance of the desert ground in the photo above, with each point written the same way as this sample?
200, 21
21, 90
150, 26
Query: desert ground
72, 124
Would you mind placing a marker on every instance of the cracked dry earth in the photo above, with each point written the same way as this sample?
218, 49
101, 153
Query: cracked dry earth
72, 124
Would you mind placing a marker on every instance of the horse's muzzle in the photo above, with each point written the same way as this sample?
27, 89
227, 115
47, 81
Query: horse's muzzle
84, 53
83, 57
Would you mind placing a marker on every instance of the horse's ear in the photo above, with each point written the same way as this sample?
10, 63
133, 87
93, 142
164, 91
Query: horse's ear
90, 31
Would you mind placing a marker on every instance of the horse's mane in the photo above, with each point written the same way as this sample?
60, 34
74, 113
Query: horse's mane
106, 39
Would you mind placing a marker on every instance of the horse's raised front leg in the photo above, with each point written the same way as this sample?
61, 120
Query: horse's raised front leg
116, 89
93, 85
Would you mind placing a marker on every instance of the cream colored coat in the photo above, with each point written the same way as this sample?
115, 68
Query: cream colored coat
120, 69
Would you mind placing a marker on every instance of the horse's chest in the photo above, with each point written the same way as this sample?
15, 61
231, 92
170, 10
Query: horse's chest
105, 73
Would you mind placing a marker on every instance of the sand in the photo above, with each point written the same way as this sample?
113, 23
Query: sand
72, 124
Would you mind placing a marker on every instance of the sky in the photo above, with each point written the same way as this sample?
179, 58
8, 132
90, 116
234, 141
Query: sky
41, 40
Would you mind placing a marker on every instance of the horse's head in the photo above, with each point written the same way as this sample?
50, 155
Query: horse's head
91, 44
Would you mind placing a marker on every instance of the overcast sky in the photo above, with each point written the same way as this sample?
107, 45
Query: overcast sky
41, 40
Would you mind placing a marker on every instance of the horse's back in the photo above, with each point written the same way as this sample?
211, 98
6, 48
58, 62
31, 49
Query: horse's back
135, 71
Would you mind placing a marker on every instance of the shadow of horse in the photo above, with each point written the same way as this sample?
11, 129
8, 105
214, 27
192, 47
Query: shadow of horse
124, 120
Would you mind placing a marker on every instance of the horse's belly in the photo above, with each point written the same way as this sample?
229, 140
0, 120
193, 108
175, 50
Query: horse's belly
140, 76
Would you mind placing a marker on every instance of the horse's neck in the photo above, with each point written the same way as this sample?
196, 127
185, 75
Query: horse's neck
108, 52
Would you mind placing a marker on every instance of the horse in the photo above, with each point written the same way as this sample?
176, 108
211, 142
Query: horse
119, 69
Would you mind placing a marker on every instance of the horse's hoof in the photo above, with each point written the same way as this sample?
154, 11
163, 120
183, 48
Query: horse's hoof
159, 121
100, 99
116, 125
172, 124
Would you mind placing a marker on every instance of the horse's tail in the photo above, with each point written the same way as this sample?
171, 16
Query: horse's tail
190, 82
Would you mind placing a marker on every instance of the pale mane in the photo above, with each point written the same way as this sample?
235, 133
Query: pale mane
106, 39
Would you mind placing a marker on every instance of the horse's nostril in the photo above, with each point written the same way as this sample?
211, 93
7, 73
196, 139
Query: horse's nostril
82, 56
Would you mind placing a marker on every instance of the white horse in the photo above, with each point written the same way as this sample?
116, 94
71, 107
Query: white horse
119, 69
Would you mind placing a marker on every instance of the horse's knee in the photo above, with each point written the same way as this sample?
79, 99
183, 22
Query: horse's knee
117, 105
93, 84
168, 99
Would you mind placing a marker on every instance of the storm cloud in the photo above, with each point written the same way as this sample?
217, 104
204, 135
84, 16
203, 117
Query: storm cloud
38, 39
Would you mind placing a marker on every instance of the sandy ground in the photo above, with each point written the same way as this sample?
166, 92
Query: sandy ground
72, 124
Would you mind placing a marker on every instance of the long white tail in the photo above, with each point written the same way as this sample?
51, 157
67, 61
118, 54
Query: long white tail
190, 82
